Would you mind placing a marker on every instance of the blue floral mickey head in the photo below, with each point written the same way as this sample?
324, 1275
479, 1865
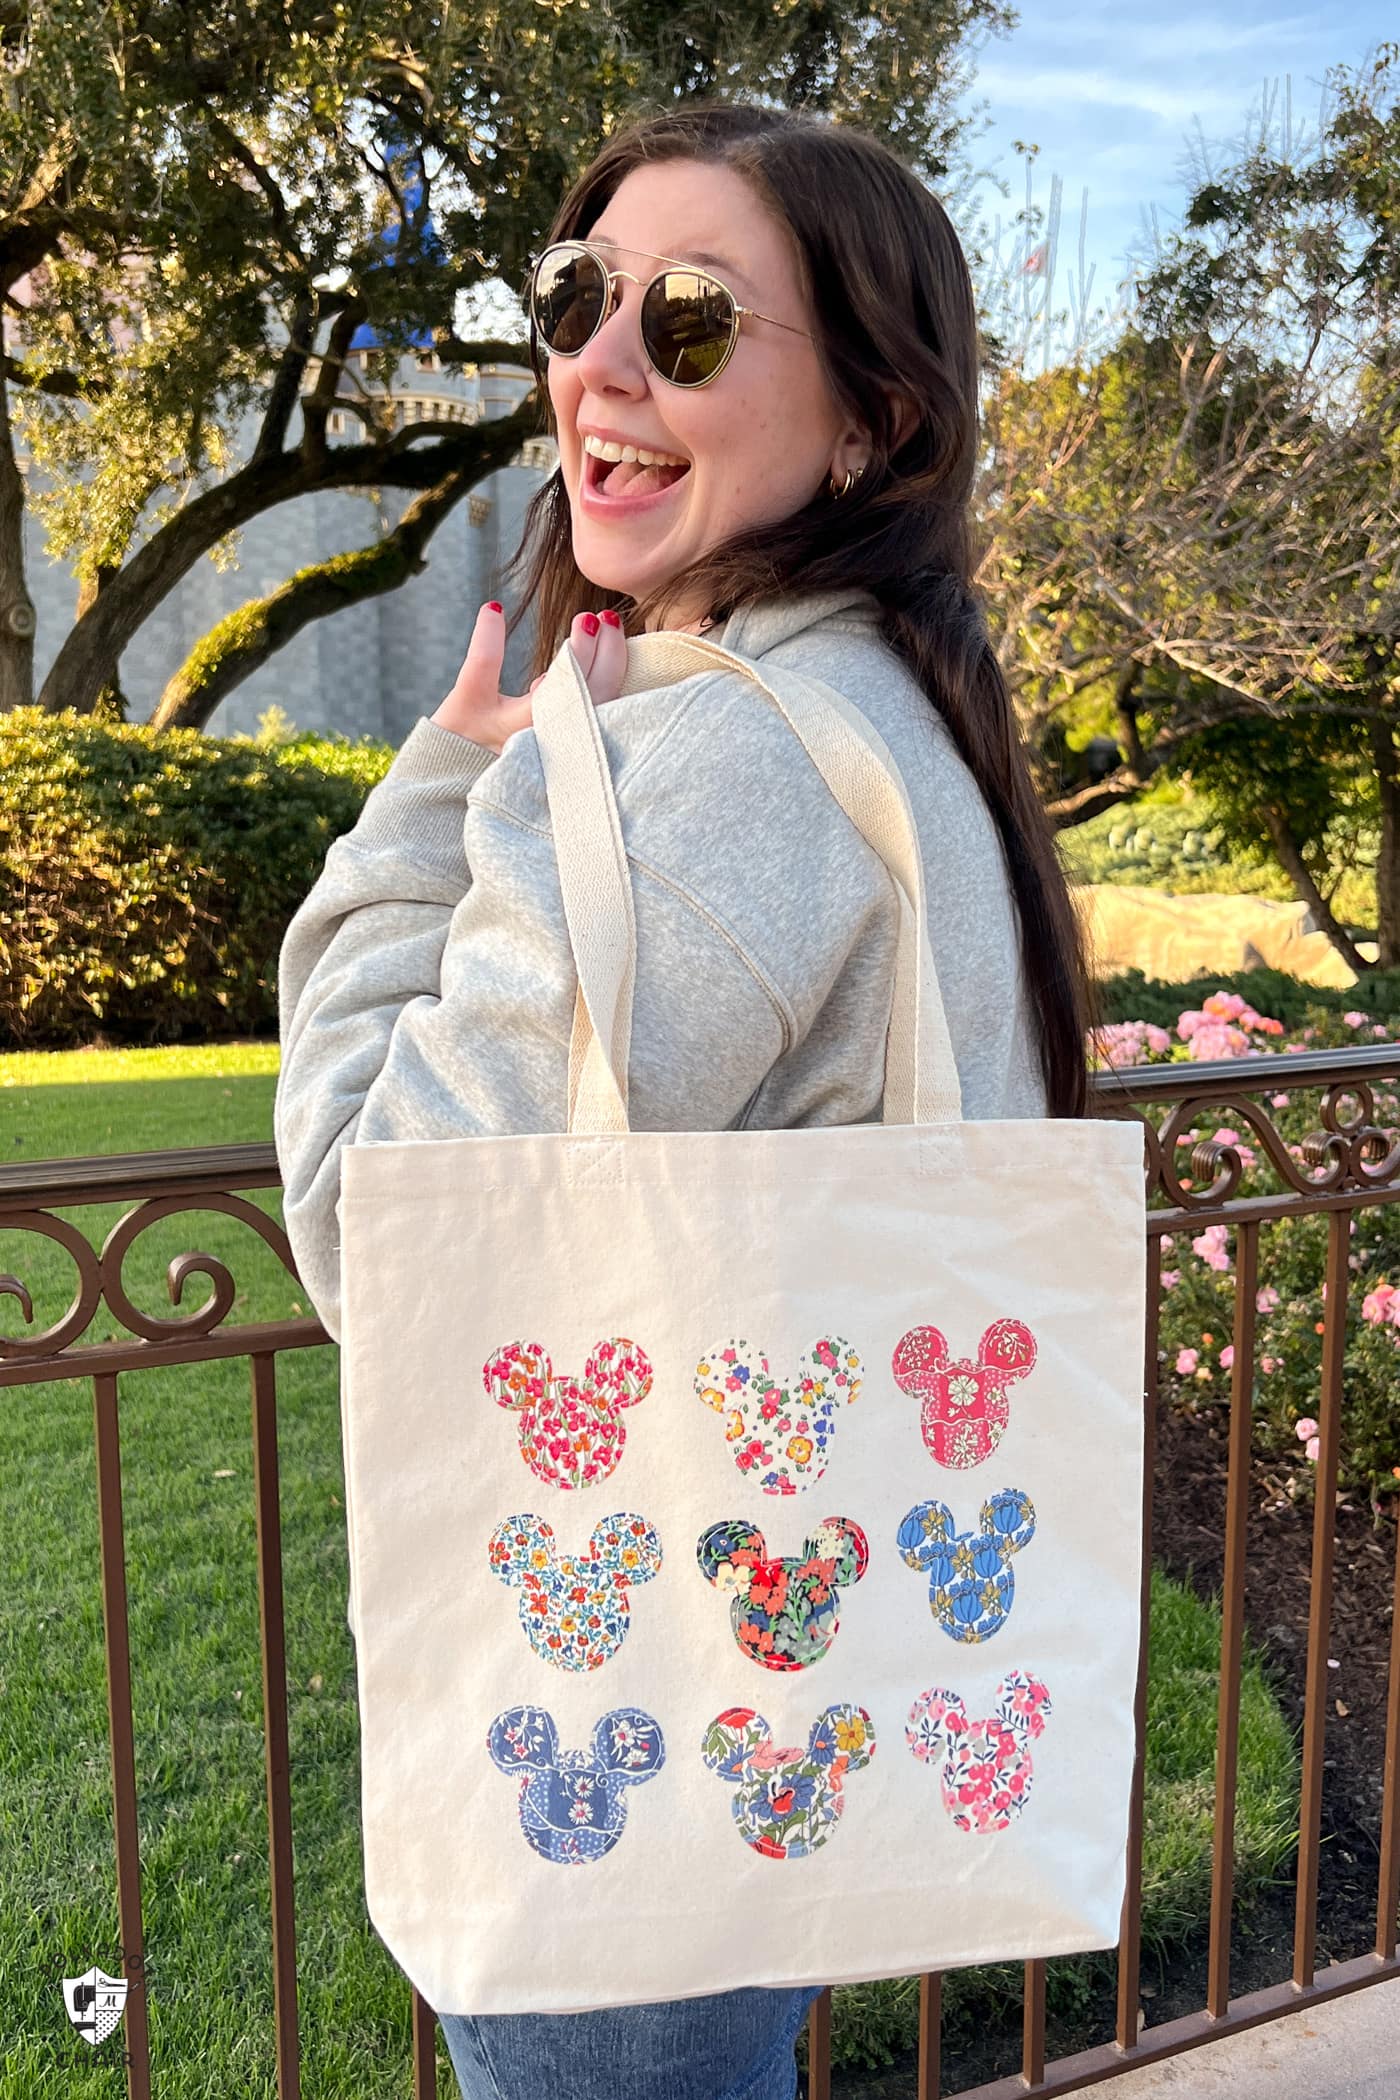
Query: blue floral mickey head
573, 1803
971, 1583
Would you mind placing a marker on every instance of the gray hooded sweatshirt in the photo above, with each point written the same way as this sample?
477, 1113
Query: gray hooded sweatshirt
427, 986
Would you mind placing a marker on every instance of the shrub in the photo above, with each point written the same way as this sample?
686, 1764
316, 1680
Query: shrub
1174, 838
1129, 996
1198, 1267
1164, 844
147, 878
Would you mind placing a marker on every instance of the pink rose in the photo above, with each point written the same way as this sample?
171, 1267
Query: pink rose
1211, 1246
1186, 1361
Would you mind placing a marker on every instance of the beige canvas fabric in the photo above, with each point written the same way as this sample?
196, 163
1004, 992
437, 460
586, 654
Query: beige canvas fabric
744, 1525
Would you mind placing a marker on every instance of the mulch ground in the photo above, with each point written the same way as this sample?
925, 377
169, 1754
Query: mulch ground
1189, 1541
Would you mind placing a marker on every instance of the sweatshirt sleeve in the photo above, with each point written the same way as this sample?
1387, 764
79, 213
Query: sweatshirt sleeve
366, 939
419, 1002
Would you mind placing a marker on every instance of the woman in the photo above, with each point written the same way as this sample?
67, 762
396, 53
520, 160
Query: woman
777, 313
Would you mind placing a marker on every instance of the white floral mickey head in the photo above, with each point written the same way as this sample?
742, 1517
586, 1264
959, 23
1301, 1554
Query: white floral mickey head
575, 1606
779, 1435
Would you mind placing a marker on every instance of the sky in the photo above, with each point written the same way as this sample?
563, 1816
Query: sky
1121, 94
1124, 98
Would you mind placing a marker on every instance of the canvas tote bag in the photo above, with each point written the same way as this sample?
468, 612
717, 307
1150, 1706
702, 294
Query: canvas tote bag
744, 1525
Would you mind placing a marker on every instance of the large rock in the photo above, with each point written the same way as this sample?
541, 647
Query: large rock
1173, 938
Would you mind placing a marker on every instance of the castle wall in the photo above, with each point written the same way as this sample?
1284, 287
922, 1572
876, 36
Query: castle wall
371, 670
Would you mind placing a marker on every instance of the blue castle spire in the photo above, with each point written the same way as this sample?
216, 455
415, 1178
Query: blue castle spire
406, 165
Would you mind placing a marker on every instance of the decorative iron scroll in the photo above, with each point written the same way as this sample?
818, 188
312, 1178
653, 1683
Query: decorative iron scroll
99, 1274
1349, 1151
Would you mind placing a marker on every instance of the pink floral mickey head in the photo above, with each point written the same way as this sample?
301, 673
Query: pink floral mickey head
966, 1405
986, 1775
571, 1431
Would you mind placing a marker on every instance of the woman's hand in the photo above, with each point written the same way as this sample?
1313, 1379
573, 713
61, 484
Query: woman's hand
477, 708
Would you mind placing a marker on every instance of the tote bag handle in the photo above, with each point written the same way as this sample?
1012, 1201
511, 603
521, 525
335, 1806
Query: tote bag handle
921, 1080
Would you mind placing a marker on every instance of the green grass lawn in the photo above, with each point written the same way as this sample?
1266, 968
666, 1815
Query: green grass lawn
196, 1673
54, 1103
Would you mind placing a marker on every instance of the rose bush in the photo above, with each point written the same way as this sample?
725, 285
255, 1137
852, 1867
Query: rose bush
1198, 1269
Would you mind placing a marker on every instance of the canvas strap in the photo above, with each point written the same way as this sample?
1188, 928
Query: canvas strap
921, 1081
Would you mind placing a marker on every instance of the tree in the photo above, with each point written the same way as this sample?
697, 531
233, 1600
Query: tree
197, 213
1195, 535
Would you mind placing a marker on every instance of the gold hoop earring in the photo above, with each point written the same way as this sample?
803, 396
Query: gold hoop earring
853, 475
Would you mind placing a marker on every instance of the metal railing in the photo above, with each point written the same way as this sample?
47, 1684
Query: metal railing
1350, 1164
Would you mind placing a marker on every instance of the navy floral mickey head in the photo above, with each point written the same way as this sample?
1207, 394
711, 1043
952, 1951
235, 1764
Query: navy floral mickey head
573, 1803
575, 1606
971, 1583
787, 1803
783, 1610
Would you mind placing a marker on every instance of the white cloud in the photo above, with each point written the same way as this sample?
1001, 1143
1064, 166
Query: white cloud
1037, 88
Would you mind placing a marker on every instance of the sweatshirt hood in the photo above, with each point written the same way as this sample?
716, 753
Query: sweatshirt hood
752, 630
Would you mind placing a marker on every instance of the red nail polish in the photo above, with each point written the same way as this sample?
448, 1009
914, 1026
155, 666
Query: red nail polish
494, 605
611, 617
590, 623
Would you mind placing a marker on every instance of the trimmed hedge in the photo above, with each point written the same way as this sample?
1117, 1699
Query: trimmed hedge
147, 879
1130, 996
1172, 839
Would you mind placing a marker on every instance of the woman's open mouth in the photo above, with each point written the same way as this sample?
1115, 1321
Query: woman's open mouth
611, 487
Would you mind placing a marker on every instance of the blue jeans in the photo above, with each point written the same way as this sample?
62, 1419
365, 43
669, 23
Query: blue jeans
734, 2045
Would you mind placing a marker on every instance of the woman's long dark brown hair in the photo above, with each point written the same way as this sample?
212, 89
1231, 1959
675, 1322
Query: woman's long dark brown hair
888, 285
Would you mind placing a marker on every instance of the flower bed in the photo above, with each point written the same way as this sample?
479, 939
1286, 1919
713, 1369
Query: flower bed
1198, 1279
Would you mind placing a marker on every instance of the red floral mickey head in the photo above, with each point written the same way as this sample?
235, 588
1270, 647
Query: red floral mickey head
571, 1431
966, 1405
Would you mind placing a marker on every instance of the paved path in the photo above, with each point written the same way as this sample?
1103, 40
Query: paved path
1348, 2049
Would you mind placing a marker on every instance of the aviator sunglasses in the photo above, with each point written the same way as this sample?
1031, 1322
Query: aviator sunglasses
689, 319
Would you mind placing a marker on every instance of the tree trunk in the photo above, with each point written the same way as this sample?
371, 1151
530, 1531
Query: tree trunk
111, 702
1290, 859
238, 645
16, 605
1388, 858
87, 663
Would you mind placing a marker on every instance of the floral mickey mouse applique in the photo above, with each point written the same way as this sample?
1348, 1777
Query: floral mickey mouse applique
971, 1582
986, 1772
787, 1803
573, 1803
783, 1610
779, 1434
575, 1607
966, 1405
571, 1429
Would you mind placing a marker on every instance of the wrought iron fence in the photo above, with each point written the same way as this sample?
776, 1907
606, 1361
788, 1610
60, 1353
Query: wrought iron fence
1349, 1164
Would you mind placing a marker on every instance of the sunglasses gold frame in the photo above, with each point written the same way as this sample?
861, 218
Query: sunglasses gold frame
611, 277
